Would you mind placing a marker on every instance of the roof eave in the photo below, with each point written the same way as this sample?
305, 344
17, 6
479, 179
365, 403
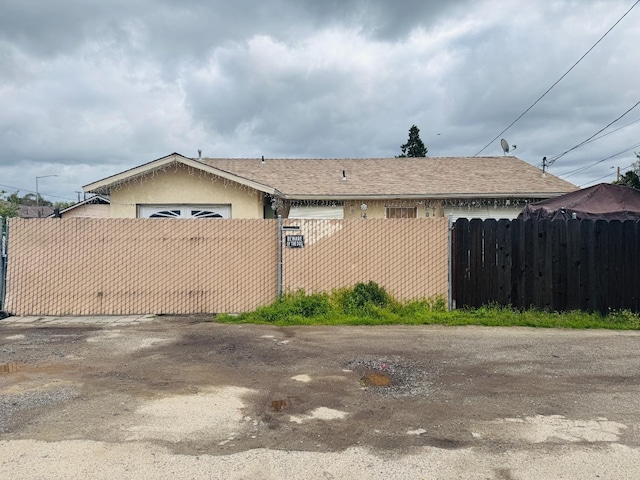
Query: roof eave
105, 185
420, 196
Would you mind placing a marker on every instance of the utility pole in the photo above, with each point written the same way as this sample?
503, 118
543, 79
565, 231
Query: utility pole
37, 192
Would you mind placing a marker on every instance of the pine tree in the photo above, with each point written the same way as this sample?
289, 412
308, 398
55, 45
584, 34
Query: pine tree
414, 146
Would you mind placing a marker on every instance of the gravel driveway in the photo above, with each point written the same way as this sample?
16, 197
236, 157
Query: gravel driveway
179, 397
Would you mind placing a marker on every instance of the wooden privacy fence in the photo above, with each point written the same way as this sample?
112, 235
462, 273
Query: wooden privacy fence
553, 265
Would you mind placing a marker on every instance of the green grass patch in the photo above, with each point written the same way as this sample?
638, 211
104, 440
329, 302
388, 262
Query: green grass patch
370, 304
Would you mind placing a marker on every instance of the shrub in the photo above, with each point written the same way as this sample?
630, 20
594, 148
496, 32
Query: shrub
292, 307
364, 296
308, 306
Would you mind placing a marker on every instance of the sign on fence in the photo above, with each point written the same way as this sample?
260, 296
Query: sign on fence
295, 241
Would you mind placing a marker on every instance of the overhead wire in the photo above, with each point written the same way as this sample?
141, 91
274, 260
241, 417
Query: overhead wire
587, 167
614, 130
557, 81
591, 138
606, 134
18, 189
607, 175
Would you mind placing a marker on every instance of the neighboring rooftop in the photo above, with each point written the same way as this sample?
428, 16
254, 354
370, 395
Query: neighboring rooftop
31, 211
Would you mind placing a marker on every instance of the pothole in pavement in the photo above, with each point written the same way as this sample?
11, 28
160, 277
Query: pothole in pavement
376, 379
279, 405
393, 376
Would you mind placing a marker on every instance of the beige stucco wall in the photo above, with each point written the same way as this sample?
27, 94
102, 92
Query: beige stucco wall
89, 211
181, 185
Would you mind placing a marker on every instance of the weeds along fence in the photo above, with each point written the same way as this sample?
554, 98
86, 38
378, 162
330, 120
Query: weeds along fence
552, 265
84, 266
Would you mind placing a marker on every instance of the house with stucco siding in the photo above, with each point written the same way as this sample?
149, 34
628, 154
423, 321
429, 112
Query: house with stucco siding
176, 186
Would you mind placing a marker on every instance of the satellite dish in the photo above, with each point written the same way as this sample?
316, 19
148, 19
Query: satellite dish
505, 146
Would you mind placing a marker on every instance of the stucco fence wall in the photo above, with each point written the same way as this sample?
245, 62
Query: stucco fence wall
134, 266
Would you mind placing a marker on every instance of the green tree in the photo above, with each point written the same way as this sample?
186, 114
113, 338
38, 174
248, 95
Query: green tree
632, 177
28, 200
414, 146
7, 207
62, 205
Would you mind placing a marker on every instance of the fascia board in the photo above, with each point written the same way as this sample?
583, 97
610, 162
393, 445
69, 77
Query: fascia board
104, 185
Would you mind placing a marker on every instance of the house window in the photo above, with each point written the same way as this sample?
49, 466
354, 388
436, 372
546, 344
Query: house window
401, 212
184, 211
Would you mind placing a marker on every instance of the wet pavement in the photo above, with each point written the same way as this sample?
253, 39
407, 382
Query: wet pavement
186, 397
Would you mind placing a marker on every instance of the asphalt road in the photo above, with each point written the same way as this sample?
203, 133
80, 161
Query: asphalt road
185, 398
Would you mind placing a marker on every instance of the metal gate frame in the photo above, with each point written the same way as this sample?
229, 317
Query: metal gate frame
4, 246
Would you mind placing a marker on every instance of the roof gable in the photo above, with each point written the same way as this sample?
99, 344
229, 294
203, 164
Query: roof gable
105, 185
94, 200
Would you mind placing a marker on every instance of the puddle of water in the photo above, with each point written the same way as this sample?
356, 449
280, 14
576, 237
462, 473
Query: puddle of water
376, 379
278, 405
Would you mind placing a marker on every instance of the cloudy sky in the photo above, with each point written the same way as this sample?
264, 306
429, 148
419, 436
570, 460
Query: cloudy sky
88, 88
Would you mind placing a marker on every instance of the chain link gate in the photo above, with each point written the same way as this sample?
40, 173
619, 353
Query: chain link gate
4, 243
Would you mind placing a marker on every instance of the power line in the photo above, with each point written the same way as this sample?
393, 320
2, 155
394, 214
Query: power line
606, 134
557, 81
553, 159
582, 169
31, 191
607, 175
613, 131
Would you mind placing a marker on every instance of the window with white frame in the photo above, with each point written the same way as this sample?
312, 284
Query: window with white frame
400, 212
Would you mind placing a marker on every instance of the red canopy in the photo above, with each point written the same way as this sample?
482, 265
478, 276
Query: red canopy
600, 202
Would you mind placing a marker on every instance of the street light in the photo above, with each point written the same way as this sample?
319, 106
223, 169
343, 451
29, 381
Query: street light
37, 194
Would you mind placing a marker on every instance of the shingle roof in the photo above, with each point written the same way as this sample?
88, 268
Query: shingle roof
425, 177
370, 177
31, 211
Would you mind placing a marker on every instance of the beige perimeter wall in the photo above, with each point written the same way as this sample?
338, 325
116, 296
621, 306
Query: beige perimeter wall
82, 266
409, 257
